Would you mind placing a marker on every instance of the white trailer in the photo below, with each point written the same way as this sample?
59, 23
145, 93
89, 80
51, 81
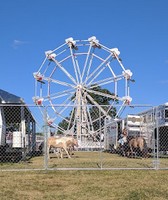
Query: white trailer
155, 123
113, 130
151, 124
133, 123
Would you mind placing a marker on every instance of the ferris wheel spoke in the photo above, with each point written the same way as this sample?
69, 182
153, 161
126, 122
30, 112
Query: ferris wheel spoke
86, 117
105, 81
58, 95
113, 97
86, 61
121, 109
62, 108
89, 66
91, 127
59, 47
67, 92
108, 64
58, 82
78, 69
53, 71
105, 48
111, 70
71, 118
74, 65
59, 128
89, 120
84, 113
65, 71
102, 82
42, 65
58, 113
96, 104
97, 119
120, 63
102, 69
65, 105
94, 73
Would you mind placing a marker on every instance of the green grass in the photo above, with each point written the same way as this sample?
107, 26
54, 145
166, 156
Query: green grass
81, 184
84, 185
94, 160
98, 160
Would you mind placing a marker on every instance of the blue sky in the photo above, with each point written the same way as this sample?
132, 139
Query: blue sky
138, 28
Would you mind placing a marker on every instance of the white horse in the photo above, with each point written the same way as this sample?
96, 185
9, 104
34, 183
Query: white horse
61, 144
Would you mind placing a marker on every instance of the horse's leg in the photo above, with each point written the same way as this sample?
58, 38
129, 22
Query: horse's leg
144, 153
141, 147
57, 152
127, 150
65, 149
128, 153
122, 149
70, 150
61, 153
131, 149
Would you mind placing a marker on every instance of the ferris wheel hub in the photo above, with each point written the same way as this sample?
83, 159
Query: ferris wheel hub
80, 86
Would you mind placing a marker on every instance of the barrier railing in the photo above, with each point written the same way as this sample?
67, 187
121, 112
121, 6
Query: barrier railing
25, 129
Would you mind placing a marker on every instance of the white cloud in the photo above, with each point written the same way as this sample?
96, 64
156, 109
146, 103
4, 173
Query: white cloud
18, 43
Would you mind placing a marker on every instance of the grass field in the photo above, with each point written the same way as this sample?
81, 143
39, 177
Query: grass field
93, 160
84, 185
53, 184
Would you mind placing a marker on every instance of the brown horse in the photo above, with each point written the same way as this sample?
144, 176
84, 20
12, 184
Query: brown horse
138, 146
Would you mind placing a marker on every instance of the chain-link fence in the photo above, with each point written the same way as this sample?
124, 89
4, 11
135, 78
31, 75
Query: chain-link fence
30, 138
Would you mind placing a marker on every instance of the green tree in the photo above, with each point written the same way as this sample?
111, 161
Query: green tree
104, 102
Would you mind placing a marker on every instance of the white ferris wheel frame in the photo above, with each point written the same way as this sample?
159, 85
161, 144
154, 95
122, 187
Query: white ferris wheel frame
82, 82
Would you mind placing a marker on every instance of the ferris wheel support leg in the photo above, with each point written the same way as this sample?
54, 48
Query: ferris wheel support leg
78, 96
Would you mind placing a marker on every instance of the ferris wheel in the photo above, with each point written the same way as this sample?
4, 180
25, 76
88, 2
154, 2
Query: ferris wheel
69, 79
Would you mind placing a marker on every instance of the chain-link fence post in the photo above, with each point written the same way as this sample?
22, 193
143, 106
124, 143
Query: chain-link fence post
100, 128
45, 131
157, 141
